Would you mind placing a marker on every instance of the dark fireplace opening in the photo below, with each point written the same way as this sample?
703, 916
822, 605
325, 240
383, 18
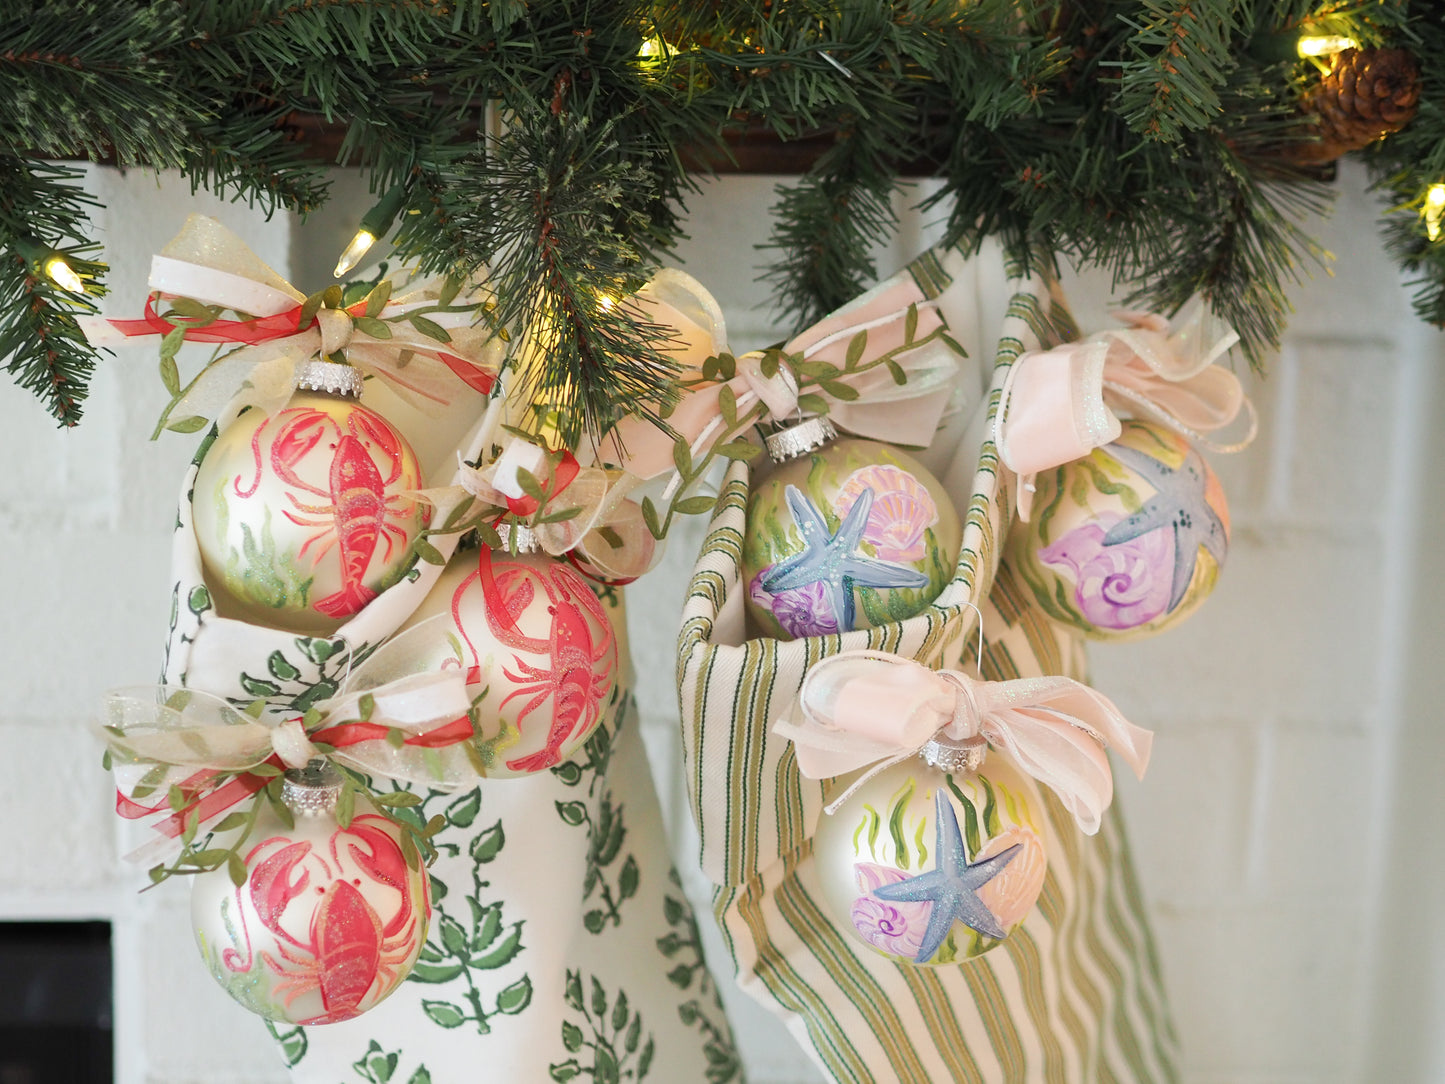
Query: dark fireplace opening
55, 1003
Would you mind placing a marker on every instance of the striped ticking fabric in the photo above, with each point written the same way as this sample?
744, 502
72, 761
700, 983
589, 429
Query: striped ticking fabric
1074, 994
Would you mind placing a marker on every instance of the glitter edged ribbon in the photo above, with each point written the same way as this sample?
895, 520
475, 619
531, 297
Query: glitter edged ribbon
1059, 405
161, 737
871, 710
209, 264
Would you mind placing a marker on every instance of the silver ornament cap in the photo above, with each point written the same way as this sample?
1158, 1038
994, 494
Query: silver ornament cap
329, 376
797, 440
947, 756
311, 791
518, 538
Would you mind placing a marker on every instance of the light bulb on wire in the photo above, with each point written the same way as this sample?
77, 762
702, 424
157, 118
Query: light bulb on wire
374, 224
51, 264
1434, 210
1314, 45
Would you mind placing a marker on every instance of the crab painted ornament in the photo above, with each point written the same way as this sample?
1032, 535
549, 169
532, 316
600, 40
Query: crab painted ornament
302, 517
329, 921
532, 635
933, 867
842, 535
1128, 540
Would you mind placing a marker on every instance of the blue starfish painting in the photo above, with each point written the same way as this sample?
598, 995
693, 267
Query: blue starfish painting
1178, 503
952, 885
832, 558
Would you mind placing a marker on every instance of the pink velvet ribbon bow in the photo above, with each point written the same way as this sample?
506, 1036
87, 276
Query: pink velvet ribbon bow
870, 709
1059, 405
884, 410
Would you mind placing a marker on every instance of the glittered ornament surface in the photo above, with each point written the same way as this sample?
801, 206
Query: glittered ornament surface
301, 518
329, 921
931, 867
853, 535
530, 634
1128, 540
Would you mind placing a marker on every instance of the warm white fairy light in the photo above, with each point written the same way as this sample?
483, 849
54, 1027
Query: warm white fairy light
358, 248
652, 48
375, 223
63, 275
1434, 210
1325, 44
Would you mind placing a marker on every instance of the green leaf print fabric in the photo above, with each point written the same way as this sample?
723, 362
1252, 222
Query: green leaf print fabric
561, 946
1074, 994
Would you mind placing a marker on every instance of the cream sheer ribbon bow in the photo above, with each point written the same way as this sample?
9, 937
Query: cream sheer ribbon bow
870, 709
418, 341
394, 716
1059, 405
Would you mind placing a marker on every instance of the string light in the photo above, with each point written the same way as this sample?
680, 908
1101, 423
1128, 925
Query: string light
1311, 45
51, 264
653, 48
1434, 210
63, 275
375, 223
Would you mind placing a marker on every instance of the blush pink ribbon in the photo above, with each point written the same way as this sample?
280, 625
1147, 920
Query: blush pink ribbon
870, 709
884, 410
1059, 405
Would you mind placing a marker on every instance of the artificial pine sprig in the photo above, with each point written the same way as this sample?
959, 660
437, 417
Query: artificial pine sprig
1106, 131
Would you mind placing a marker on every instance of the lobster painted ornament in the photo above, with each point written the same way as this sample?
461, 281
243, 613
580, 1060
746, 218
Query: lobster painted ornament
933, 867
842, 535
302, 517
530, 634
329, 920
1128, 540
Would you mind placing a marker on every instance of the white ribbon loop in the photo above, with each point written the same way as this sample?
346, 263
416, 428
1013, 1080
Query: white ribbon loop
869, 709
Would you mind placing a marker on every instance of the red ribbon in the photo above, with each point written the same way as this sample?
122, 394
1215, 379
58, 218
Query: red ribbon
354, 733
259, 329
562, 477
264, 329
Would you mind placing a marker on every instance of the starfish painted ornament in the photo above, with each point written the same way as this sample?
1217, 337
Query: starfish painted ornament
952, 885
833, 558
1179, 503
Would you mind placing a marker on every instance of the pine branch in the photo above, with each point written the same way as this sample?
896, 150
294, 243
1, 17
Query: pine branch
563, 261
1177, 59
40, 202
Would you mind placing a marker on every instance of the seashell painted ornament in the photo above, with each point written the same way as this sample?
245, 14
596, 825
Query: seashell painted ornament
934, 867
329, 921
301, 517
532, 635
844, 534
1128, 540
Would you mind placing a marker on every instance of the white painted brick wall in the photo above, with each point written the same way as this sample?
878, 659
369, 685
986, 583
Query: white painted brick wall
1290, 820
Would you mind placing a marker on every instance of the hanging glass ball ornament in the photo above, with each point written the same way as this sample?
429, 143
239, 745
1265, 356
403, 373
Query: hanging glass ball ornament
1128, 540
302, 517
530, 634
329, 921
932, 866
843, 534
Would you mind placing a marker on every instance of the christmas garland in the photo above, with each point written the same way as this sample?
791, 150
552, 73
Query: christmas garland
554, 142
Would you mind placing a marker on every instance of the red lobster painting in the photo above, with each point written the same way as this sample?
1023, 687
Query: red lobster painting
360, 514
349, 951
579, 653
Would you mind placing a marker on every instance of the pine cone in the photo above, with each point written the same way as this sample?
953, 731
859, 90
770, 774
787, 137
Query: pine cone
1366, 95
